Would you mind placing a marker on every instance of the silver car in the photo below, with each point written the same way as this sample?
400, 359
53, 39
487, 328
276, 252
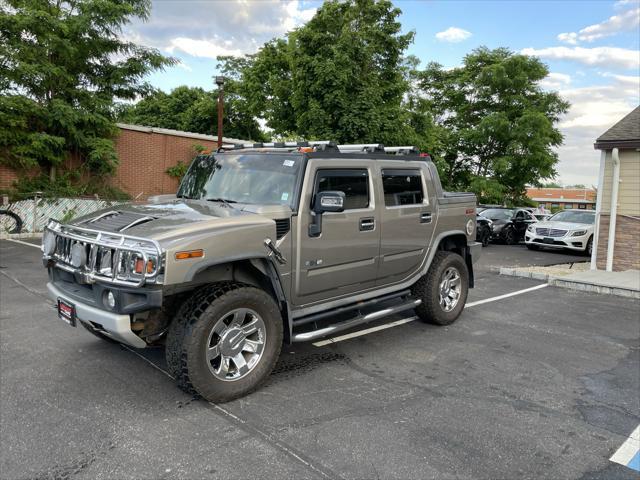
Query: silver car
569, 229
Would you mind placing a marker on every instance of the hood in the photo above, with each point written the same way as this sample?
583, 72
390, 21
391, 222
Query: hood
176, 218
563, 225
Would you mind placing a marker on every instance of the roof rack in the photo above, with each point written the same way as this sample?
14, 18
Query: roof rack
327, 145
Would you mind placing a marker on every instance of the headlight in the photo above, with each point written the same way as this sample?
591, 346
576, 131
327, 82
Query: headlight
578, 233
78, 255
471, 224
48, 242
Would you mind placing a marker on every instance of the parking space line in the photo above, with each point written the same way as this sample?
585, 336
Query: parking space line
629, 452
395, 323
22, 243
506, 295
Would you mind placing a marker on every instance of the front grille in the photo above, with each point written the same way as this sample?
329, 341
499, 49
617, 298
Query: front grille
107, 257
283, 225
551, 232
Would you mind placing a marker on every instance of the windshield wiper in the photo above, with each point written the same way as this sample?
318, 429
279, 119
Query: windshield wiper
223, 201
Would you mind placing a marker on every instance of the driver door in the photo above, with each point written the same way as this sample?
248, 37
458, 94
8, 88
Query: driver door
343, 258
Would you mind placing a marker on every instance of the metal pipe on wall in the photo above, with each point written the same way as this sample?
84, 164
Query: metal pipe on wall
596, 231
614, 208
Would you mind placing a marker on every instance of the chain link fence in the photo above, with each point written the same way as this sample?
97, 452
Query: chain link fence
34, 213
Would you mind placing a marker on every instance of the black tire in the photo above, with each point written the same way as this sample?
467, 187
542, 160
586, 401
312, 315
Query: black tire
187, 340
531, 246
510, 236
18, 221
589, 247
97, 333
428, 289
485, 237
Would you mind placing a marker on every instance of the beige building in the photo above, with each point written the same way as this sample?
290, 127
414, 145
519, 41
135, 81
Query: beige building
617, 234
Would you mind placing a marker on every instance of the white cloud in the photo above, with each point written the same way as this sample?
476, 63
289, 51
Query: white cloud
626, 21
598, 56
223, 27
201, 48
593, 110
625, 3
453, 35
554, 81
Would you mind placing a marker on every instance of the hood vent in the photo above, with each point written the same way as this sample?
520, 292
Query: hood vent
283, 225
116, 221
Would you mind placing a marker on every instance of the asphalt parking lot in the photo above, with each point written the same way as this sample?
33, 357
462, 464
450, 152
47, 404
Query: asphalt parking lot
543, 384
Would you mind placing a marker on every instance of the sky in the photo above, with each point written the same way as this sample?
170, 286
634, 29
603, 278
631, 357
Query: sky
592, 49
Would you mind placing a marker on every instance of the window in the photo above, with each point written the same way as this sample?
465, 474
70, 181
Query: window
354, 184
402, 187
582, 206
568, 205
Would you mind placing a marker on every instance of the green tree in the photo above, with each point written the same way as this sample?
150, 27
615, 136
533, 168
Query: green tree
342, 76
498, 126
62, 66
192, 109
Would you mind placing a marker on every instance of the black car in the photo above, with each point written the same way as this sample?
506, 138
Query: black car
509, 224
484, 230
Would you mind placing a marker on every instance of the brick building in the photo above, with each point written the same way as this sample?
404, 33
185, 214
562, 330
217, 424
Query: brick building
617, 235
561, 198
144, 154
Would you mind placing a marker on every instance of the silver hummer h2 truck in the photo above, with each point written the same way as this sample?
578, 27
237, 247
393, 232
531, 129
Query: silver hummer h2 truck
266, 244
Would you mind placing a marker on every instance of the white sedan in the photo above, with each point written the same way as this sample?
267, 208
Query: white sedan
570, 229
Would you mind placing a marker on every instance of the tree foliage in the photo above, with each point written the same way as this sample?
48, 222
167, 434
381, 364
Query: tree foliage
62, 66
498, 125
342, 76
192, 109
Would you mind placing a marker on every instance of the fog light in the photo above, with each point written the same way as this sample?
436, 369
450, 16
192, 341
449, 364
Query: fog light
110, 299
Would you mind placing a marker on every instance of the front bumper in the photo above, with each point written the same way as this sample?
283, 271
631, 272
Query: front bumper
116, 326
570, 243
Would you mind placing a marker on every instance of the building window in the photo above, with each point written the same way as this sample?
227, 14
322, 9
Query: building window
568, 205
582, 206
402, 187
555, 205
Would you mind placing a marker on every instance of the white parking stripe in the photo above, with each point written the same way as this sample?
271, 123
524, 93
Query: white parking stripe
395, 323
506, 295
628, 449
364, 332
23, 243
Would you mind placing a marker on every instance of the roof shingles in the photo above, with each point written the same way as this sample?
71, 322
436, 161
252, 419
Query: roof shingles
624, 134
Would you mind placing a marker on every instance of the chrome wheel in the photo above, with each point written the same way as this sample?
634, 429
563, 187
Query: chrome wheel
450, 289
235, 344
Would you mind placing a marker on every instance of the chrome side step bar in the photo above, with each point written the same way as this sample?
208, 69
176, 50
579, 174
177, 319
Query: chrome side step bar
359, 320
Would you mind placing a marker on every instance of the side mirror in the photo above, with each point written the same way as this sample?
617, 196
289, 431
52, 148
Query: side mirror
329, 201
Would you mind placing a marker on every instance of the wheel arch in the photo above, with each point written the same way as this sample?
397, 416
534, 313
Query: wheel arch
456, 241
257, 271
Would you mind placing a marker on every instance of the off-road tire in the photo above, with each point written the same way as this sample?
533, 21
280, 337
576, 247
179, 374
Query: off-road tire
189, 331
509, 236
427, 289
97, 333
531, 246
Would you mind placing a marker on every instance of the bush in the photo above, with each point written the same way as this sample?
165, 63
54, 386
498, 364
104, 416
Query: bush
66, 184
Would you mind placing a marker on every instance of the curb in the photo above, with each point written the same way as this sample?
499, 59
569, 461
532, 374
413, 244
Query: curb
592, 288
515, 272
9, 236
571, 285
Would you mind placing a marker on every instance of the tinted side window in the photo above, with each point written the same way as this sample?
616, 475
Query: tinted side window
354, 184
402, 187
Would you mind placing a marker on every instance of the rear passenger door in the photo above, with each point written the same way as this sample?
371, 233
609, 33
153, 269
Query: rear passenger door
344, 257
406, 218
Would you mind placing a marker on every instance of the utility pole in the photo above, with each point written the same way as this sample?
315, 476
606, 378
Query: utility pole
220, 83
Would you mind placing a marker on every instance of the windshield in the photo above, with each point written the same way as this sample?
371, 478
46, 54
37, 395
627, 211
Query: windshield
587, 218
497, 213
264, 179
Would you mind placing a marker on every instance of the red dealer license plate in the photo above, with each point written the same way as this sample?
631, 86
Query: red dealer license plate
67, 312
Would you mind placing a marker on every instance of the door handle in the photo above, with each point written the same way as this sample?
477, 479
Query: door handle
367, 224
425, 217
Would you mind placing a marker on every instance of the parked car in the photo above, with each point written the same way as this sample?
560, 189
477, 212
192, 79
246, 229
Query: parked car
568, 229
265, 245
509, 224
484, 230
